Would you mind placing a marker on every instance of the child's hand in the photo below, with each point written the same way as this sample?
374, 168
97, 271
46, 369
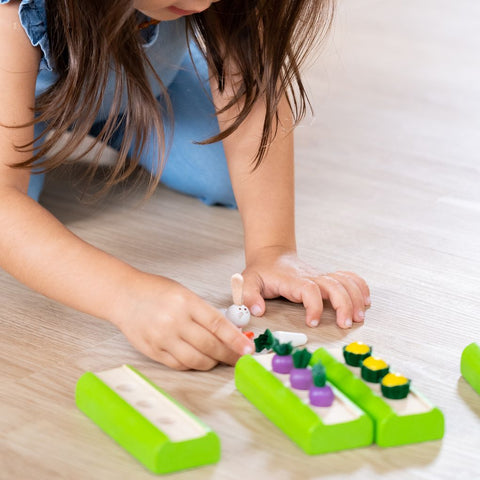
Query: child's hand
273, 272
170, 324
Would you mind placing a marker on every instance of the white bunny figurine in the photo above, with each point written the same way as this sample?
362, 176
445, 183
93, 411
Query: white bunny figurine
238, 313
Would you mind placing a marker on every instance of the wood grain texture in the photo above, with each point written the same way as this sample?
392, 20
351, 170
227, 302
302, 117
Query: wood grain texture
388, 177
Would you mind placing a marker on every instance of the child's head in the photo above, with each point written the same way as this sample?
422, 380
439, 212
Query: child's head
264, 42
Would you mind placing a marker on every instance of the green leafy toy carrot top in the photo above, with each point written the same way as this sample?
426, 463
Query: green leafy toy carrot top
301, 358
319, 375
265, 340
283, 349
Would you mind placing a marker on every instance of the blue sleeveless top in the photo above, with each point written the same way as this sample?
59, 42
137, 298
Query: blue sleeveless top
165, 45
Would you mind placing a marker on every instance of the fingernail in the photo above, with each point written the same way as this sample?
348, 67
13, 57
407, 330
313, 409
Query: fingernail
256, 310
247, 350
314, 323
348, 323
361, 314
368, 301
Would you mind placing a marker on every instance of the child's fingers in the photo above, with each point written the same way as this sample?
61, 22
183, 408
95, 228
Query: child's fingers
151, 344
313, 303
223, 329
333, 290
167, 359
355, 293
362, 284
189, 356
308, 293
207, 343
252, 294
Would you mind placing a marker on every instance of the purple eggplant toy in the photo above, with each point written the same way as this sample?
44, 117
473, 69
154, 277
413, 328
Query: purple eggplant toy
320, 395
282, 361
301, 375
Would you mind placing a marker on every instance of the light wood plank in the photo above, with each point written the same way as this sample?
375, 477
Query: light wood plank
388, 179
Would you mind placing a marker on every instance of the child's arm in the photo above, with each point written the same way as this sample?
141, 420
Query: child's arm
161, 318
265, 199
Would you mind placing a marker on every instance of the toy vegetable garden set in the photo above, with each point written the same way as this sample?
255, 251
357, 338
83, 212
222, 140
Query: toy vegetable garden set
323, 402
326, 403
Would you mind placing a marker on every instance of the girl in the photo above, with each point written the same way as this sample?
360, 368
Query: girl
185, 89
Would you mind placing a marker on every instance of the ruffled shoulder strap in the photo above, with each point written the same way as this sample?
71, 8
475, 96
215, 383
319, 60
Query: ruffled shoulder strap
33, 18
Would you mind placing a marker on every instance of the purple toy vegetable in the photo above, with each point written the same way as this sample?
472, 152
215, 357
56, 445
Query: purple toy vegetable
301, 375
320, 395
282, 362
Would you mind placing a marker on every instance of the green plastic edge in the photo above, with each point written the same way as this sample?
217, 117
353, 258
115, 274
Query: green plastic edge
390, 429
136, 434
296, 419
470, 365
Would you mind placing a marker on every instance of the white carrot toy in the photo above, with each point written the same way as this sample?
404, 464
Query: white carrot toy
238, 313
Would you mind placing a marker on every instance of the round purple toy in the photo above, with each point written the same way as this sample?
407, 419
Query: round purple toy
301, 378
282, 363
321, 396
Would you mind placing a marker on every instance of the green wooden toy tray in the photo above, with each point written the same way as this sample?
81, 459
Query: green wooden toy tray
397, 422
315, 429
146, 421
470, 365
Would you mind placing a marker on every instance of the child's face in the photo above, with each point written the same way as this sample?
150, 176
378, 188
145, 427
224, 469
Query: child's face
171, 9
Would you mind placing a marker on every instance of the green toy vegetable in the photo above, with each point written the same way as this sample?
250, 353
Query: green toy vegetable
319, 374
374, 369
265, 340
395, 386
355, 352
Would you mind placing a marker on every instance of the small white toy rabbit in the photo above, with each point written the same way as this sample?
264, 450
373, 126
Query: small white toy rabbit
238, 313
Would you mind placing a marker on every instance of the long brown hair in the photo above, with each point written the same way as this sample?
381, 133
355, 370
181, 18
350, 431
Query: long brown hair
267, 41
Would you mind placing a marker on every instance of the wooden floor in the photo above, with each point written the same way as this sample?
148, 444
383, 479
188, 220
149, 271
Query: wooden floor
388, 183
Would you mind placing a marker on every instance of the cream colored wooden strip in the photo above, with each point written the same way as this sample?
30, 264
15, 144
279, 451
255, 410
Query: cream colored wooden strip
159, 410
